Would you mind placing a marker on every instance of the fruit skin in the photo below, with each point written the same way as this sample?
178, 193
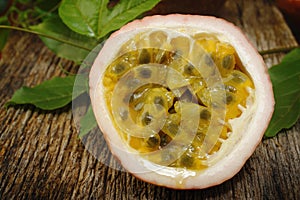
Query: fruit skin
249, 133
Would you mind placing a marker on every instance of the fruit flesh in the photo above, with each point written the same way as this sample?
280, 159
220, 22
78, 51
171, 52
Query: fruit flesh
184, 92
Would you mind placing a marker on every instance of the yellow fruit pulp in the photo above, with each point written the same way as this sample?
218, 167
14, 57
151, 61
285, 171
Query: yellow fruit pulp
186, 91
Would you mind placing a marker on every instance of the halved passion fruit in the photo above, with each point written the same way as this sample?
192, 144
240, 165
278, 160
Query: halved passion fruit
182, 100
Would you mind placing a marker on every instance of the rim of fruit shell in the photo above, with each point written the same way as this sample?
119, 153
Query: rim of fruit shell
242, 146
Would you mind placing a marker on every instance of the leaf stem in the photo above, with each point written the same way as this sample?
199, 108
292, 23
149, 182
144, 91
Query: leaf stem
278, 50
44, 35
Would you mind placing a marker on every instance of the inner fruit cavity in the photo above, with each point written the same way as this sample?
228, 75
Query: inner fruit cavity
163, 92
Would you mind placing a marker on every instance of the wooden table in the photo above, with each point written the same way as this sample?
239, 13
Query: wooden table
41, 156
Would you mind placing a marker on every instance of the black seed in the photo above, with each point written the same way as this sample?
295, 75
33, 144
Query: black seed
164, 139
137, 95
188, 69
144, 57
159, 100
230, 88
138, 106
124, 115
176, 55
153, 141
227, 62
145, 73
205, 114
208, 60
147, 119
133, 82
191, 149
237, 78
187, 96
172, 110
229, 98
118, 68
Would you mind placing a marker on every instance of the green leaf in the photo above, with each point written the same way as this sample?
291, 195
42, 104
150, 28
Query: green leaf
87, 122
285, 78
55, 28
49, 95
3, 32
3, 37
93, 17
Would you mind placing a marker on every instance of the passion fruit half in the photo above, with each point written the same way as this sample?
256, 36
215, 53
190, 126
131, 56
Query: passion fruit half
182, 100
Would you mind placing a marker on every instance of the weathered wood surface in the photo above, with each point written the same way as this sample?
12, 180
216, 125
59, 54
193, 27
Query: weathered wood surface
41, 156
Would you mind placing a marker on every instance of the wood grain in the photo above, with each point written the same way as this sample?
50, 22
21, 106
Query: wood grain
41, 156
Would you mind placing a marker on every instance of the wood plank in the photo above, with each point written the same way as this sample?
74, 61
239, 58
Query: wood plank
42, 157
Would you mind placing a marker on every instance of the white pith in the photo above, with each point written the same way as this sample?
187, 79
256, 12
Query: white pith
247, 131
